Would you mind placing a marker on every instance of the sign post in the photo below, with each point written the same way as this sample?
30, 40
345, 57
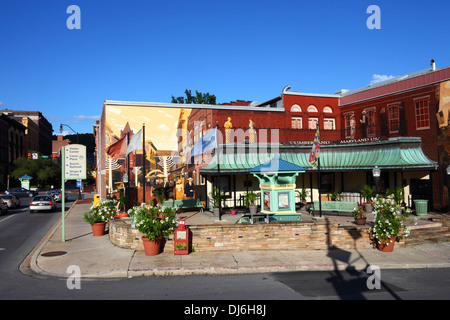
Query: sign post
73, 167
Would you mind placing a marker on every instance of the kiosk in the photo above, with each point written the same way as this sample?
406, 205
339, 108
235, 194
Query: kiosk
277, 183
25, 181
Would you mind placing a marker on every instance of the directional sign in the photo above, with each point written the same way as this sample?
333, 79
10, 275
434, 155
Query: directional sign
75, 162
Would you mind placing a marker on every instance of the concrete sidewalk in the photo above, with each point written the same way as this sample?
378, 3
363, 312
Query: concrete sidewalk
97, 257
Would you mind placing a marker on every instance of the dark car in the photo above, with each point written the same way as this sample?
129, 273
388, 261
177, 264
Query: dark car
21, 192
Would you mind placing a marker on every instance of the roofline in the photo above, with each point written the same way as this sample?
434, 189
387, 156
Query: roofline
188, 106
321, 95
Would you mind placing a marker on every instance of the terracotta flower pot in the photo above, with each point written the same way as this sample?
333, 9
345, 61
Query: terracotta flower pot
386, 246
123, 215
98, 229
152, 248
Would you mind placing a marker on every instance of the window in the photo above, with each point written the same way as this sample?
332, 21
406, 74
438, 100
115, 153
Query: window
394, 118
312, 108
327, 110
329, 124
422, 113
296, 123
312, 123
349, 121
296, 108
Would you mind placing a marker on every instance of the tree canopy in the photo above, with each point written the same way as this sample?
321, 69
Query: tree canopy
199, 98
44, 171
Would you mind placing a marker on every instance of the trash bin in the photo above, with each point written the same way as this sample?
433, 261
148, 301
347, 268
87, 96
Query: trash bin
421, 207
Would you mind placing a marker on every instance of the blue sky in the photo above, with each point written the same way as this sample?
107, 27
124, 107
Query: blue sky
236, 49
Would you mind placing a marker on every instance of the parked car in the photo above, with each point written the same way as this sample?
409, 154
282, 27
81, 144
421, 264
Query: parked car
21, 192
56, 194
11, 200
3, 208
42, 202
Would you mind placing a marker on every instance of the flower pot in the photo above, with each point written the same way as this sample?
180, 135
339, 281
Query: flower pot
253, 209
360, 221
216, 212
98, 229
233, 212
123, 215
153, 248
387, 246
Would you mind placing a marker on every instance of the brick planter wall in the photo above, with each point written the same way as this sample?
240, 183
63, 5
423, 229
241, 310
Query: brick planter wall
323, 233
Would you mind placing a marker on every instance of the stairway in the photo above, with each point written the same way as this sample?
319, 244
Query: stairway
428, 235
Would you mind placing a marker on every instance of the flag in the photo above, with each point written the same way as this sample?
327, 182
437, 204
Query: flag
118, 149
207, 143
135, 143
314, 156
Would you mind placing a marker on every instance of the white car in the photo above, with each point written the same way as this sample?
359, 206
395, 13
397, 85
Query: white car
42, 202
11, 200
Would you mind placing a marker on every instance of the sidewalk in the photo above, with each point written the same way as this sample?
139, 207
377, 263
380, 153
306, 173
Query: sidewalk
97, 257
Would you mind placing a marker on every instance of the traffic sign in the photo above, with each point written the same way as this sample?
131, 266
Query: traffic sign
75, 162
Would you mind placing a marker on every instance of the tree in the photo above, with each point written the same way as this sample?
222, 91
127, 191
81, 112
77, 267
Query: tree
199, 98
43, 171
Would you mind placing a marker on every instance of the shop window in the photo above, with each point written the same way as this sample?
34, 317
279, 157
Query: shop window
422, 113
329, 124
296, 123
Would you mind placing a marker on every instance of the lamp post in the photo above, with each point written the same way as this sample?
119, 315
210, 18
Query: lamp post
61, 130
376, 172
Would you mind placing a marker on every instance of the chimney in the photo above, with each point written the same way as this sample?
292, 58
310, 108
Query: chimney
433, 65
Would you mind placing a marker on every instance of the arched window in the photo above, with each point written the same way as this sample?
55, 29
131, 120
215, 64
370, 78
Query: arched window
312, 108
327, 110
296, 108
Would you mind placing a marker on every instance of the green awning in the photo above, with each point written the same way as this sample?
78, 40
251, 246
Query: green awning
400, 154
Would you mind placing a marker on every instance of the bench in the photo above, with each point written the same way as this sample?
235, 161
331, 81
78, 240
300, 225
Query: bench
335, 206
252, 217
184, 204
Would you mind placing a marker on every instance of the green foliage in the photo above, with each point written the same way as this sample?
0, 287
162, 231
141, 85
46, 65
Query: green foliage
199, 98
250, 198
367, 193
334, 195
160, 195
153, 221
43, 171
215, 195
104, 211
397, 194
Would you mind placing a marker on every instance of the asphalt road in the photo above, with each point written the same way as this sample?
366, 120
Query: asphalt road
21, 231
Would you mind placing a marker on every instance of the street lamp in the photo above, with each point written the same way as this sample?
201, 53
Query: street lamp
376, 172
61, 130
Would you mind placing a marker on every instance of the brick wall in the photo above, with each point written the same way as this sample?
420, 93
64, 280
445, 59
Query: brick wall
320, 234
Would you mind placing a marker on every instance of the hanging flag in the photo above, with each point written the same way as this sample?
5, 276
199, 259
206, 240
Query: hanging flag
135, 143
314, 156
207, 143
118, 149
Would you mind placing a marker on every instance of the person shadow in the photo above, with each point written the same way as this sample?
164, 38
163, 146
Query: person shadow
348, 282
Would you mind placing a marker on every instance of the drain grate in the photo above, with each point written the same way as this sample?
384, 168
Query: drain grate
53, 253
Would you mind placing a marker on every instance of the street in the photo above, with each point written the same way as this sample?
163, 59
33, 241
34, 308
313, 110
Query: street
21, 231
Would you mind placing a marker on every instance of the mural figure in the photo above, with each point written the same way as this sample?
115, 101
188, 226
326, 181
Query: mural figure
228, 126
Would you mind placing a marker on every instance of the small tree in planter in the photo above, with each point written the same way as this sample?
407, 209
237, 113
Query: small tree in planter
216, 199
368, 193
335, 196
250, 201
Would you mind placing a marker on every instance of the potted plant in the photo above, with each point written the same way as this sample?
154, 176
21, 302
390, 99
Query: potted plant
397, 194
368, 193
156, 223
334, 196
388, 225
303, 194
98, 216
359, 215
121, 205
160, 195
216, 198
250, 202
